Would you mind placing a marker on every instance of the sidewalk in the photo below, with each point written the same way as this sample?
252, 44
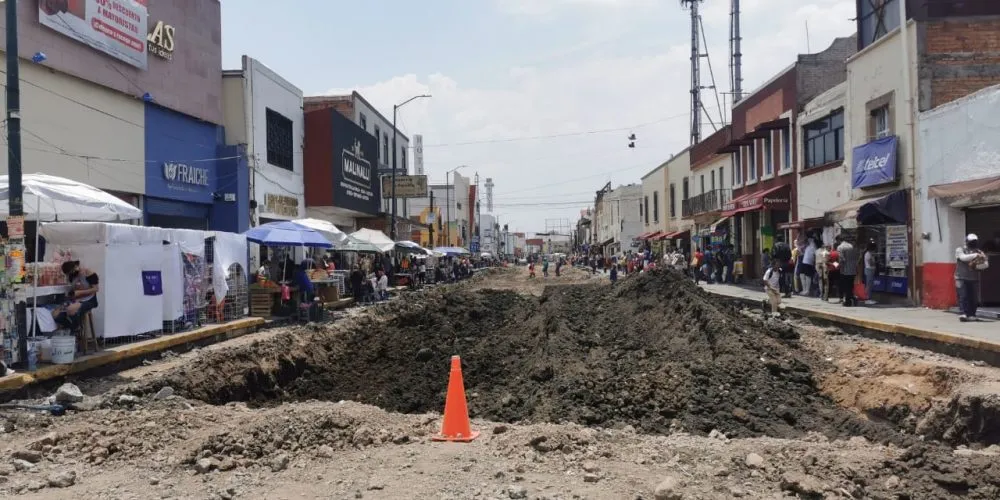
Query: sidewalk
925, 324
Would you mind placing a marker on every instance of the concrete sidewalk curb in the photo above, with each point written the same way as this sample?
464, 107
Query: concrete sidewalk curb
928, 336
228, 330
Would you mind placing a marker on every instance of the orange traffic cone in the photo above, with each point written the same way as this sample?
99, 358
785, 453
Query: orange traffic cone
455, 425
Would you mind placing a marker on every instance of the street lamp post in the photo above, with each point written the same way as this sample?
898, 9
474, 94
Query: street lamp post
447, 194
395, 108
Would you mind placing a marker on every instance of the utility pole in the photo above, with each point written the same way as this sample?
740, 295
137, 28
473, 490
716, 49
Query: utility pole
696, 56
16, 197
395, 109
735, 53
433, 220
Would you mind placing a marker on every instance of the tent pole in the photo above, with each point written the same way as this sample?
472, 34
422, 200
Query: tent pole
34, 287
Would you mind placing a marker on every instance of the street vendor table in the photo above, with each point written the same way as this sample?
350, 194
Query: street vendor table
328, 290
262, 300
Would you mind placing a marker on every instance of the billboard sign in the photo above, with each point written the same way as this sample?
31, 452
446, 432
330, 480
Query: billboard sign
115, 27
354, 176
874, 163
407, 186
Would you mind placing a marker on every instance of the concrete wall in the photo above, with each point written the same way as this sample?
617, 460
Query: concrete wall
190, 82
823, 188
234, 113
958, 142
268, 90
64, 134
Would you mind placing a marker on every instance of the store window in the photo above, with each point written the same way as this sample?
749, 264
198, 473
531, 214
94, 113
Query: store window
364, 122
280, 150
722, 181
786, 145
713, 180
656, 206
737, 170
702, 183
645, 210
880, 122
768, 156
385, 147
752, 162
673, 201
824, 140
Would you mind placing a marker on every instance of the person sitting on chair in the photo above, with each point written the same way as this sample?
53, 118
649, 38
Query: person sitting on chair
82, 297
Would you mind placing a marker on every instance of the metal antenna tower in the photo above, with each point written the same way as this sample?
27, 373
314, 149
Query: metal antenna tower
489, 194
735, 54
696, 56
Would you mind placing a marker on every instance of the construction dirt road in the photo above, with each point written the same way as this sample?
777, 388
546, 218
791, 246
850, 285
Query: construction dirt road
651, 388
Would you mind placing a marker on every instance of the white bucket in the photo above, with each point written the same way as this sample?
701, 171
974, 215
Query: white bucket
63, 349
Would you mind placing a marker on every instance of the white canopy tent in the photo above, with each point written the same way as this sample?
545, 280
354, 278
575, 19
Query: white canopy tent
49, 198
326, 228
377, 238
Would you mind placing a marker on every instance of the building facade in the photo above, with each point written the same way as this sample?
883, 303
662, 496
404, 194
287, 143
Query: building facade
710, 188
141, 118
619, 224
264, 111
653, 207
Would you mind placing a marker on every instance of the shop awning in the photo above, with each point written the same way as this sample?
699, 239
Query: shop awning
715, 225
733, 146
645, 236
803, 224
876, 209
654, 236
676, 234
773, 124
966, 193
775, 198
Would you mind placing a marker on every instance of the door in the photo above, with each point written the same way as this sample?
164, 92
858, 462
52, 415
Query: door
985, 223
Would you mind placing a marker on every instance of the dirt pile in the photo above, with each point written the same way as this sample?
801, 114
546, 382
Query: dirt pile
653, 352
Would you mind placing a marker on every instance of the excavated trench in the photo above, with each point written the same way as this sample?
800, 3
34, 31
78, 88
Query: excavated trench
654, 352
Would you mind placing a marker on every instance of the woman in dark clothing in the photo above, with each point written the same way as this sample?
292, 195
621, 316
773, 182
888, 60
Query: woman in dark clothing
357, 279
84, 285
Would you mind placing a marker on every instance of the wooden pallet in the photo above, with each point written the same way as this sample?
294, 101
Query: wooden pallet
260, 304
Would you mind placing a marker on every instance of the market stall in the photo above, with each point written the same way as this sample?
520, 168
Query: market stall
276, 294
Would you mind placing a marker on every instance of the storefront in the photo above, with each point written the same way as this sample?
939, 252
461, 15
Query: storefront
190, 183
758, 215
879, 221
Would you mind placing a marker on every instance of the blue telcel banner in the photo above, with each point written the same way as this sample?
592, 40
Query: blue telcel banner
874, 163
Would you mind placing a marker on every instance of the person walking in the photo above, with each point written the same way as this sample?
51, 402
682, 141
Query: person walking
869, 260
783, 254
823, 272
696, 261
772, 285
807, 270
848, 270
970, 262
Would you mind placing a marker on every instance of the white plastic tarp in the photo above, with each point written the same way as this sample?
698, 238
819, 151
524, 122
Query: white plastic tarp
51, 198
377, 238
119, 254
181, 241
326, 228
228, 249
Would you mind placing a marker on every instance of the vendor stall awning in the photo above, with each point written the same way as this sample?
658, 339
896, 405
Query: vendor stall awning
775, 198
645, 236
876, 209
803, 224
967, 193
715, 225
677, 234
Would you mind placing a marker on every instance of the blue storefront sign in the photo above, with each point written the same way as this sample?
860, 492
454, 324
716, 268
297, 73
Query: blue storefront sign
193, 180
874, 163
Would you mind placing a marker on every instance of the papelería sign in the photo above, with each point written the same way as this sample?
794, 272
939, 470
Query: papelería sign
160, 41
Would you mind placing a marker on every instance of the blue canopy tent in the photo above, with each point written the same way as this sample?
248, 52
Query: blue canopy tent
287, 234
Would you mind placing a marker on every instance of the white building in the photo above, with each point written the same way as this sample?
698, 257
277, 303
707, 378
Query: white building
618, 221
452, 200
654, 207
264, 111
488, 241
959, 160
824, 177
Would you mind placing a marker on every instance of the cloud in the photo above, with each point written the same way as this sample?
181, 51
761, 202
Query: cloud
570, 107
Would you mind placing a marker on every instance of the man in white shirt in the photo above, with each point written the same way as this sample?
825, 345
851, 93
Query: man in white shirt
772, 285
383, 286
808, 268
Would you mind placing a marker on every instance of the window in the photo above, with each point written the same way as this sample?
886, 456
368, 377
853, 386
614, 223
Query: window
768, 156
280, 150
737, 169
646, 215
722, 179
673, 201
752, 162
786, 146
713, 180
702, 183
656, 206
385, 146
880, 122
685, 190
876, 18
824, 140
402, 155
378, 134
364, 122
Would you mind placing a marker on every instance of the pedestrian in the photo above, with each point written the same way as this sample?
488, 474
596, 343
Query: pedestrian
614, 275
970, 262
870, 267
783, 254
833, 273
772, 285
848, 270
545, 268
823, 272
807, 270
531, 269
696, 260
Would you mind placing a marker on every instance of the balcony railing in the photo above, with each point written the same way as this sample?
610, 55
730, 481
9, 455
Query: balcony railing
711, 201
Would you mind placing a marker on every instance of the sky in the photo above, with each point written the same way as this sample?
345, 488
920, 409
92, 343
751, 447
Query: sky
539, 95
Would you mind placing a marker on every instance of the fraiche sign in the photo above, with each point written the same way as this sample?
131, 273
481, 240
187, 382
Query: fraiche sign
115, 27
